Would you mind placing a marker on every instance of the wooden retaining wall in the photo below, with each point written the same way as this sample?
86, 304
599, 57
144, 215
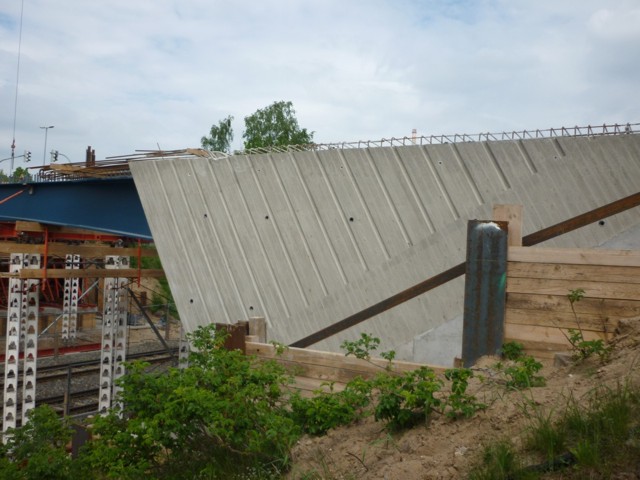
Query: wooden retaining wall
313, 368
538, 310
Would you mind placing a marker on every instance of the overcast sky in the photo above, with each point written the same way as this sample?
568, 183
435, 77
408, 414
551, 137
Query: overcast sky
123, 75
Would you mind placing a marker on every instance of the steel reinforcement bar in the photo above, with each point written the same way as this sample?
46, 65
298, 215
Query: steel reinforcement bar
588, 131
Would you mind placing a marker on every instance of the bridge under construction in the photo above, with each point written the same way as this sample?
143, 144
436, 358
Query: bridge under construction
305, 237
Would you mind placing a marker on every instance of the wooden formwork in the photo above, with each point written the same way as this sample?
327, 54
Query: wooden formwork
312, 369
538, 312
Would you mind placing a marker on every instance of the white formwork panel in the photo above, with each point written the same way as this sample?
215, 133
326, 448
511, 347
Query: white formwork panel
31, 302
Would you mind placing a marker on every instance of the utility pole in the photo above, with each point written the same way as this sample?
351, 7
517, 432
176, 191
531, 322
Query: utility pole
44, 154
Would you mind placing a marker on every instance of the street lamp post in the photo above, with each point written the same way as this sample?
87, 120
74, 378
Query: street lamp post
44, 154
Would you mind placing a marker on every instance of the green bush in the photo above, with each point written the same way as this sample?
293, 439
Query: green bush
460, 403
327, 410
223, 416
520, 370
512, 350
404, 400
583, 349
37, 449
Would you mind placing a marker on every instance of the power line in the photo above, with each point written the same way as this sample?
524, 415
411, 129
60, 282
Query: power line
15, 105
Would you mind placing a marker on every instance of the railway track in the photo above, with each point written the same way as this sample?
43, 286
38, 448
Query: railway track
72, 388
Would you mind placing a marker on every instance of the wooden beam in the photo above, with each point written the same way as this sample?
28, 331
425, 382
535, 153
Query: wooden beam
583, 220
331, 359
25, 226
541, 350
534, 333
513, 215
559, 271
383, 306
575, 256
86, 251
619, 291
563, 320
587, 306
553, 231
84, 273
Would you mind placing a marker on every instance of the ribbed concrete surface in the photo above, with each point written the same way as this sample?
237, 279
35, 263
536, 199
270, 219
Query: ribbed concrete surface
306, 239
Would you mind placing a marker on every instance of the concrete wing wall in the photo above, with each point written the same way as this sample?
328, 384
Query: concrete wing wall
306, 239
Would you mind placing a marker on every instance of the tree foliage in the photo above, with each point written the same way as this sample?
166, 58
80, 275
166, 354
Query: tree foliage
37, 449
221, 417
225, 416
275, 125
20, 174
220, 136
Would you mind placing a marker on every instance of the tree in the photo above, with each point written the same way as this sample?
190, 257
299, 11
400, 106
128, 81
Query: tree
275, 125
220, 136
21, 174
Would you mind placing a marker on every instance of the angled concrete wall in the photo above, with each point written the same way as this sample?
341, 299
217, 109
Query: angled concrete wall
307, 239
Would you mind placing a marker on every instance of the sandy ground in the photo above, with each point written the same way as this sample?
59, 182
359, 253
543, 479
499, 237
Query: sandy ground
446, 449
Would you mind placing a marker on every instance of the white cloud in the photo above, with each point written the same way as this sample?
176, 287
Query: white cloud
124, 75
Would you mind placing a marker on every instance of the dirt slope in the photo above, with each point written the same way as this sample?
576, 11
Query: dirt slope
447, 449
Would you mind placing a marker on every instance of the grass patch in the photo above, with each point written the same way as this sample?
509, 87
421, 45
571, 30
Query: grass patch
592, 437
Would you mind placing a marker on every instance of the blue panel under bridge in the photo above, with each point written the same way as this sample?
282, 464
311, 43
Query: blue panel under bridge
108, 205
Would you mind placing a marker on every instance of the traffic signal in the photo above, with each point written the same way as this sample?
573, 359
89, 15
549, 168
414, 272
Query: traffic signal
27, 156
54, 155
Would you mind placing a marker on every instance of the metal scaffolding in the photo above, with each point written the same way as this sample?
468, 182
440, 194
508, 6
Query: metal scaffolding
70, 300
22, 332
114, 333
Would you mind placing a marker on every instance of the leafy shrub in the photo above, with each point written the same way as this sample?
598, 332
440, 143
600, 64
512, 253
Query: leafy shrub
583, 349
522, 373
327, 410
224, 415
404, 400
512, 350
363, 347
520, 370
37, 449
460, 403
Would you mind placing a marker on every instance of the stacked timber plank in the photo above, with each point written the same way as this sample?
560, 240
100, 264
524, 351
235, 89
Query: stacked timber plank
314, 369
539, 313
